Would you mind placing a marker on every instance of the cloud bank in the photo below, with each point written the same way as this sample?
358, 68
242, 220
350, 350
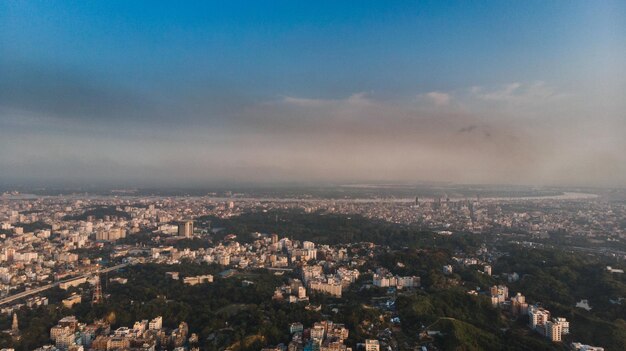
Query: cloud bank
57, 126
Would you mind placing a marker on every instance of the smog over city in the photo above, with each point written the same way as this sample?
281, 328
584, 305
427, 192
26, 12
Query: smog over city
312, 175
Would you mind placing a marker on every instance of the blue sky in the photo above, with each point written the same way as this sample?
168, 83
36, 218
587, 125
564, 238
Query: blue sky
334, 46
292, 77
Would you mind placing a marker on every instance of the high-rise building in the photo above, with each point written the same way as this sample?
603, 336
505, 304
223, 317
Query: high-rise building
553, 331
563, 323
519, 305
537, 316
499, 294
185, 229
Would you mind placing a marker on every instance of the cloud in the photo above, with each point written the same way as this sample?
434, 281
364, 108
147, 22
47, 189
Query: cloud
468, 129
439, 98
481, 134
355, 100
517, 93
304, 102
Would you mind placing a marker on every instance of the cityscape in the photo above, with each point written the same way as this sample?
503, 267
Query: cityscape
312, 176
69, 255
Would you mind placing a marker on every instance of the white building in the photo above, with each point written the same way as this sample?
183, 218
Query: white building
330, 287
156, 323
372, 345
576, 346
563, 323
537, 316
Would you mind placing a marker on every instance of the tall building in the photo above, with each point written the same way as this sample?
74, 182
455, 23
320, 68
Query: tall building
563, 323
519, 305
185, 229
499, 294
537, 317
553, 331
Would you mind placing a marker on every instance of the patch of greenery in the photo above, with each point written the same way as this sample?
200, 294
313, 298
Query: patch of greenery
31, 227
98, 212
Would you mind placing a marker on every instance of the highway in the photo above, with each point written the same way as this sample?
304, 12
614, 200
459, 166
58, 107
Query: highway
34, 291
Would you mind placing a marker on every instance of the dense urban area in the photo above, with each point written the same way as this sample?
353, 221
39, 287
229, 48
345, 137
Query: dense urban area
299, 272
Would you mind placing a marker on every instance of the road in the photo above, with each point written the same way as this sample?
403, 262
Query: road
34, 291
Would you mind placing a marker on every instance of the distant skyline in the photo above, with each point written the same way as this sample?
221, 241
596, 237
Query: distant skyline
152, 93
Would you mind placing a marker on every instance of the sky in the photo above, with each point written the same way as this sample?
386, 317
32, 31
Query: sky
200, 93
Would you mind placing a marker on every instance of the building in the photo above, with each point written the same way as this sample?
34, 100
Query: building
372, 345
156, 323
519, 305
499, 294
63, 334
311, 272
487, 270
385, 280
199, 279
563, 323
111, 234
553, 331
118, 343
296, 328
537, 317
72, 300
614, 270
65, 340
72, 283
331, 287
185, 229
59, 330
318, 331
576, 346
